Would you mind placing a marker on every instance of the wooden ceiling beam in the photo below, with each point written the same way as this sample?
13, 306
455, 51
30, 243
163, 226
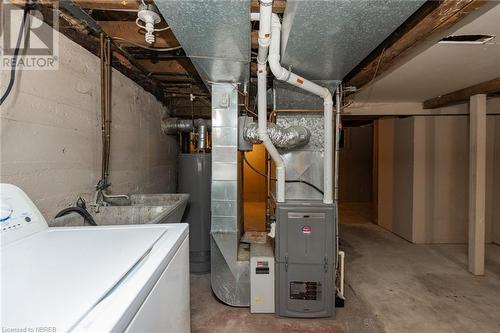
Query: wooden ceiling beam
164, 39
432, 17
112, 15
162, 66
74, 29
254, 38
278, 6
109, 4
463, 95
130, 31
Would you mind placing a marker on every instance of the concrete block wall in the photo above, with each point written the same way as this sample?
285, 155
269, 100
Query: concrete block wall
51, 135
423, 178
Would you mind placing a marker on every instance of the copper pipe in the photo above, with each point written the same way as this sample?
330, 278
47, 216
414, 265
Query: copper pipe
108, 104
103, 106
268, 184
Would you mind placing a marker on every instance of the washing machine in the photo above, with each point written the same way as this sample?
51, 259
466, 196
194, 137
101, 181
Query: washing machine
131, 278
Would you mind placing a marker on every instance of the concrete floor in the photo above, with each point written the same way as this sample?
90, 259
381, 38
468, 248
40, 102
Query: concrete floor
391, 286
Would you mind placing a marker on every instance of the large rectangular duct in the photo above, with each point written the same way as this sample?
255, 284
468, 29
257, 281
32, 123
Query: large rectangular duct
230, 276
306, 162
324, 40
214, 34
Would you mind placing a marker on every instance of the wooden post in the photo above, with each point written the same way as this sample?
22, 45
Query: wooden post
477, 182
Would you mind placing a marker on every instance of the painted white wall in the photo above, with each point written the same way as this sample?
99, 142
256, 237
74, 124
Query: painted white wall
395, 185
356, 165
51, 136
423, 178
385, 166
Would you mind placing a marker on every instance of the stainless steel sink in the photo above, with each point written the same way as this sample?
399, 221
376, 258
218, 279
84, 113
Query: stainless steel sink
136, 209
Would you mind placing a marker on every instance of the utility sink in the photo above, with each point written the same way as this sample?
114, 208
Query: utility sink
136, 209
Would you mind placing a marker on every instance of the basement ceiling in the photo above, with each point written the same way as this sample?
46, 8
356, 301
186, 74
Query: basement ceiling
322, 40
436, 69
172, 69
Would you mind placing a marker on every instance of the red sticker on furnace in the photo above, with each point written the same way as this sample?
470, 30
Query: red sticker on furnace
306, 229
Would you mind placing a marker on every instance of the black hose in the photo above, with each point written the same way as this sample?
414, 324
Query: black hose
286, 181
81, 211
307, 183
16, 54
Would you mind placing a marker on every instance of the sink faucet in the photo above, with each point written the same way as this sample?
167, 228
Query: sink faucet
101, 197
98, 200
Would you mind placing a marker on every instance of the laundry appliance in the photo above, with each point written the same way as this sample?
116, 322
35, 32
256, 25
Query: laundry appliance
131, 278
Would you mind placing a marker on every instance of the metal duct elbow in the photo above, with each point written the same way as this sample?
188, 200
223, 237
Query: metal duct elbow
175, 125
282, 138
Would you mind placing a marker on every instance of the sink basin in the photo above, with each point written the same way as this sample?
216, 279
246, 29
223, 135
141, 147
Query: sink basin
138, 209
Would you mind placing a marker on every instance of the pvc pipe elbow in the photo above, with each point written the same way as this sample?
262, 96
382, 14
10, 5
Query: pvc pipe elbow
279, 72
264, 41
261, 68
275, 21
328, 97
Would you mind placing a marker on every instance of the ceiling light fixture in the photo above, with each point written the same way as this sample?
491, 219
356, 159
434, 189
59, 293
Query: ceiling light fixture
150, 17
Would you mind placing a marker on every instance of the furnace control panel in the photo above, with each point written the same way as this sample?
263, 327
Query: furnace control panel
19, 217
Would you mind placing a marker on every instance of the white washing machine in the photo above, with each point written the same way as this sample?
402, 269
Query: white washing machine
90, 279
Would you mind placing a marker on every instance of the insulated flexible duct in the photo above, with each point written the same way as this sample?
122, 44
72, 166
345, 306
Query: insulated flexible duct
282, 138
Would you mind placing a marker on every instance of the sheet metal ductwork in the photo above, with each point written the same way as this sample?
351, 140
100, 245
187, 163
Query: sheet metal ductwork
325, 40
172, 126
216, 37
230, 267
214, 34
175, 125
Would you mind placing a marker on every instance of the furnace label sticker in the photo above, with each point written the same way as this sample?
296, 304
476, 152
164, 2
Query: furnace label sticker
305, 290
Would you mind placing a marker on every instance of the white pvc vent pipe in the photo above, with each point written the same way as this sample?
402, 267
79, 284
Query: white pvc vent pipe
264, 43
292, 78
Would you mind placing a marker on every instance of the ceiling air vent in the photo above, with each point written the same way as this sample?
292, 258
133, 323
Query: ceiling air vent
466, 39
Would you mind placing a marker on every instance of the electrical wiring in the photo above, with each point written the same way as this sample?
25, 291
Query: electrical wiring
137, 20
274, 179
147, 47
16, 53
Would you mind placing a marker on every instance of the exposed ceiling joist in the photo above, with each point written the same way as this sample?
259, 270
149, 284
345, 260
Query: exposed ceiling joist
72, 27
130, 31
109, 4
432, 17
278, 6
254, 39
462, 95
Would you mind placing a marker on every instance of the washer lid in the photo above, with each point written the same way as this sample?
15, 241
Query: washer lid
54, 277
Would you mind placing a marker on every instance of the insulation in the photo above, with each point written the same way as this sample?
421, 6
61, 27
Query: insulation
283, 138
